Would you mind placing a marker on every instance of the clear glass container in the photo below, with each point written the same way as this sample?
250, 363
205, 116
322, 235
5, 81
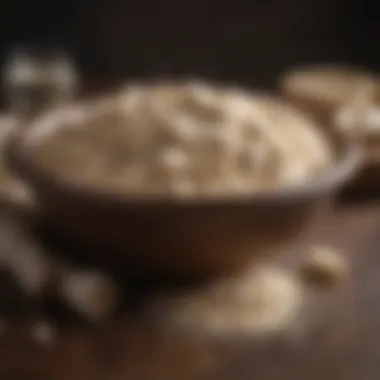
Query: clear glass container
37, 78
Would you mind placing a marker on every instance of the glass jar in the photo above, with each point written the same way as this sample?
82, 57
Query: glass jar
35, 79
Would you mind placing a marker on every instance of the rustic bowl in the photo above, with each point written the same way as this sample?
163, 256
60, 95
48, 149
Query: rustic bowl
172, 237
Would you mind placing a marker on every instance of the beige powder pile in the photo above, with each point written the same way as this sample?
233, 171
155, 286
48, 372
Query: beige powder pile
186, 139
261, 302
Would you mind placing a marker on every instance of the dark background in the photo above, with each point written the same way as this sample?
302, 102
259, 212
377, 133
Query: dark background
249, 41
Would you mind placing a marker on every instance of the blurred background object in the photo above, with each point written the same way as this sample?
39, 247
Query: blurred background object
36, 78
322, 90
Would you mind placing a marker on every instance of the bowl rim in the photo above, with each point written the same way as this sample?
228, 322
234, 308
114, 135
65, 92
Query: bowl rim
349, 160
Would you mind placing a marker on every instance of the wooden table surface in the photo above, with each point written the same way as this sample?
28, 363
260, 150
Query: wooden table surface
337, 336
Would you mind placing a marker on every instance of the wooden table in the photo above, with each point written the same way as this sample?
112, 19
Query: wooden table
337, 337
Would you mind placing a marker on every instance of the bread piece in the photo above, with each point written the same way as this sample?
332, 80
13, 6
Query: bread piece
325, 266
322, 89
